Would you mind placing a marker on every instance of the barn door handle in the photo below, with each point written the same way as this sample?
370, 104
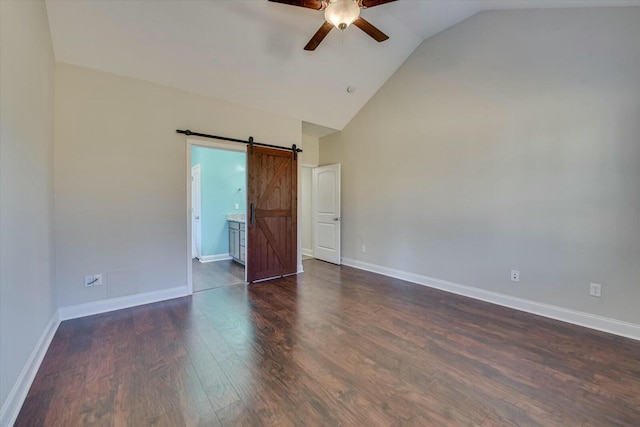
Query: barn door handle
252, 215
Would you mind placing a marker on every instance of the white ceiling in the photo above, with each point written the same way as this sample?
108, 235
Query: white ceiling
251, 51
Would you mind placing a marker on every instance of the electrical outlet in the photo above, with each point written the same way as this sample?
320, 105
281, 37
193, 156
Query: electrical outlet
595, 290
515, 275
92, 280
364, 249
237, 206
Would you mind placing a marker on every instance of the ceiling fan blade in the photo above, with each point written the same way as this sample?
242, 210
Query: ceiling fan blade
319, 36
368, 28
371, 3
310, 4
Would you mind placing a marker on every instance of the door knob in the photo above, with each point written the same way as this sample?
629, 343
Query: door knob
336, 219
197, 217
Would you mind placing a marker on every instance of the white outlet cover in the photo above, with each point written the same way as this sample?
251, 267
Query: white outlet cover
515, 275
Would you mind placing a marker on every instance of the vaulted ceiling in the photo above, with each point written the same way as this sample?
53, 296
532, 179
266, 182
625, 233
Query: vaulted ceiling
251, 51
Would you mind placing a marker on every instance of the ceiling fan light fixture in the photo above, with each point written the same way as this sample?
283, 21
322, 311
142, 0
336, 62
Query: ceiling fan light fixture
342, 13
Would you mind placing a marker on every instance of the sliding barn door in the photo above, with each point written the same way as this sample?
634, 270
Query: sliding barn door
272, 226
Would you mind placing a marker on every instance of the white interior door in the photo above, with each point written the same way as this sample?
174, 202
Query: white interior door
326, 213
196, 205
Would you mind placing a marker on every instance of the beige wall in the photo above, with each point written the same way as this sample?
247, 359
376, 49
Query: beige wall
306, 211
508, 141
120, 183
311, 150
309, 158
27, 293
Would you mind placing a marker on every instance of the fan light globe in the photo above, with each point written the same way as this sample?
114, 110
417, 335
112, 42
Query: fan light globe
342, 13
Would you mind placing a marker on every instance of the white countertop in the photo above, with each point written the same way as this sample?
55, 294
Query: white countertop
236, 217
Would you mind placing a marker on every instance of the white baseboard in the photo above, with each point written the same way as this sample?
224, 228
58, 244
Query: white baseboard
15, 399
103, 306
213, 258
307, 252
600, 323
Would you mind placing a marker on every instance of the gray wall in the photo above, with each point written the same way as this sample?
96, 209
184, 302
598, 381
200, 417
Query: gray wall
120, 178
308, 159
511, 140
306, 174
27, 297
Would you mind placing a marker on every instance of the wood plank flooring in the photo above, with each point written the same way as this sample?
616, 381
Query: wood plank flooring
333, 346
211, 275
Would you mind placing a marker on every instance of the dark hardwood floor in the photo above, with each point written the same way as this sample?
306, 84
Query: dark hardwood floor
333, 346
216, 274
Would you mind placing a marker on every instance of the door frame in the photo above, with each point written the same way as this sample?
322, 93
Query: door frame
197, 236
196, 142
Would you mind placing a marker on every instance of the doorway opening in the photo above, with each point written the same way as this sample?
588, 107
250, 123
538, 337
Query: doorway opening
218, 212
320, 213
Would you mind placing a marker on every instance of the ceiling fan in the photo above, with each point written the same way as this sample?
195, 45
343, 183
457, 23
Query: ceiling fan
339, 14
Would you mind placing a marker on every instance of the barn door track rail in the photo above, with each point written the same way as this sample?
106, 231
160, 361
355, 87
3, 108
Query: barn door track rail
250, 141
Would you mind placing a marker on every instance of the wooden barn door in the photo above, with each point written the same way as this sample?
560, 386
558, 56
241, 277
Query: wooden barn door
272, 226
